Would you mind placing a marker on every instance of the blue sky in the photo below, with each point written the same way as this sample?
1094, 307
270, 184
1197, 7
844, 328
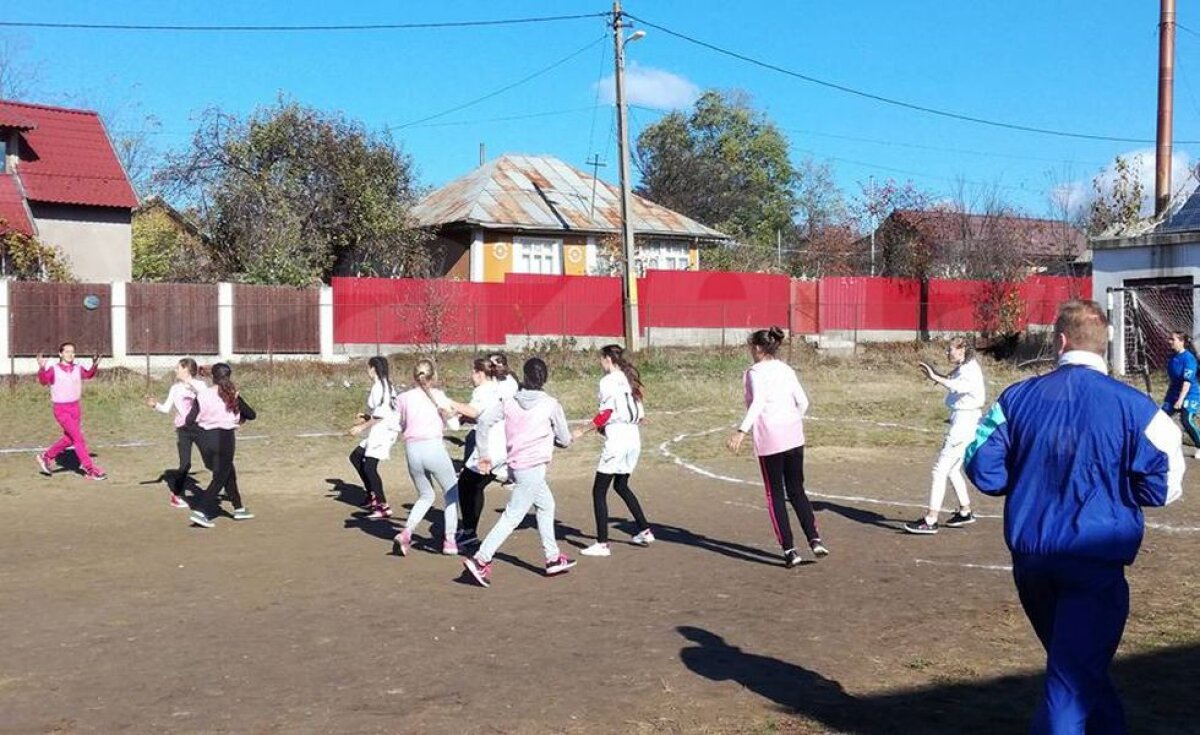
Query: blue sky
1086, 66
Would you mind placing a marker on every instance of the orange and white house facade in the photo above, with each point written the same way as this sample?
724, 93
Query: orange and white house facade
537, 215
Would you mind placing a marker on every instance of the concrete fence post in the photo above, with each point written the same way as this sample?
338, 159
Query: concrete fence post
325, 318
225, 320
119, 316
5, 320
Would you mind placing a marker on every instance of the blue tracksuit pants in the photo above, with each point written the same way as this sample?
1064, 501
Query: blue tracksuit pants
1078, 610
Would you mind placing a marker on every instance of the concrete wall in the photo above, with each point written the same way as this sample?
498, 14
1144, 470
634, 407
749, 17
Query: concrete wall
98, 241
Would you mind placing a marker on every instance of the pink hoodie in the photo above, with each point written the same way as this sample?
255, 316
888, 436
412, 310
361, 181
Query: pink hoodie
418, 415
66, 381
775, 407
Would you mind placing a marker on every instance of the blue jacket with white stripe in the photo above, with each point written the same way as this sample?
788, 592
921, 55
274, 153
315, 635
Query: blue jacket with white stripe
1076, 454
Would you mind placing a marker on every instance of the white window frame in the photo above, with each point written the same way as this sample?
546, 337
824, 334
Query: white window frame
666, 256
537, 255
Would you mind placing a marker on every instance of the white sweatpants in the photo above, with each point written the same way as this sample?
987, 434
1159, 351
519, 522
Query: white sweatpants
427, 462
622, 448
529, 490
948, 464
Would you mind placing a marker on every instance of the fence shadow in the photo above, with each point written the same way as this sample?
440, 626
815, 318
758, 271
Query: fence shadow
1156, 688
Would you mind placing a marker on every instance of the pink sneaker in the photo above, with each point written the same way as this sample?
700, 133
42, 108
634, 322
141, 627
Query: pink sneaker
96, 473
380, 513
176, 501
43, 464
402, 544
449, 548
481, 571
559, 565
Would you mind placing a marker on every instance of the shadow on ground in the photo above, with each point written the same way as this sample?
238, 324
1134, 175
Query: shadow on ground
1156, 688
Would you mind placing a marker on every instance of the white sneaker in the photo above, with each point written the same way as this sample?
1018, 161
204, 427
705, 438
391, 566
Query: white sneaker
1196, 454
645, 538
198, 518
597, 549
241, 514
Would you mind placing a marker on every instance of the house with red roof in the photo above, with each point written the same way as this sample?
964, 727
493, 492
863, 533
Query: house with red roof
63, 184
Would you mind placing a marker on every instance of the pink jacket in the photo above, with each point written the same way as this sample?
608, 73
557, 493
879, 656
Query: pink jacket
775, 407
213, 412
418, 415
181, 399
65, 381
533, 423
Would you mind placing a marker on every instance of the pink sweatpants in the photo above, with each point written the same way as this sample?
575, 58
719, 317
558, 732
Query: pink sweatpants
68, 417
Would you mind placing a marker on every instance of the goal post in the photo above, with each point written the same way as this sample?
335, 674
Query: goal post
1142, 316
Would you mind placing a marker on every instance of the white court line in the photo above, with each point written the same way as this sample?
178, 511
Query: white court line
665, 451
989, 567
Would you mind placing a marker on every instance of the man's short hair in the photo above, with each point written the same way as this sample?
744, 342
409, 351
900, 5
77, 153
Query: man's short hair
1084, 325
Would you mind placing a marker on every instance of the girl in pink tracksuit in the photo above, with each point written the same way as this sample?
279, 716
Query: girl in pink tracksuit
180, 399
65, 379
533, 424
775, 408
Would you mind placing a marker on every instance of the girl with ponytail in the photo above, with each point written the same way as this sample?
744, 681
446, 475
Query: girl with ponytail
617, 419
378, 422
421, 412
180, 399
1183, 395
775, 408
219, 410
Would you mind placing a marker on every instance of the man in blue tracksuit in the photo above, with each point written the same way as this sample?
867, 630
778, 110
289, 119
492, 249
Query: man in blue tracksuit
1076, 454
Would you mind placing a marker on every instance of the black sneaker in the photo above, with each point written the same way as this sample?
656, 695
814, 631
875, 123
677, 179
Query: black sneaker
960, 519
791, 558
922, 527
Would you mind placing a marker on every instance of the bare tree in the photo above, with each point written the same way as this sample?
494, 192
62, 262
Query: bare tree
19, 75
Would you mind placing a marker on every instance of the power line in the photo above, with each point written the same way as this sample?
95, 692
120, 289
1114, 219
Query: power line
501, 90
892, 101
301, 28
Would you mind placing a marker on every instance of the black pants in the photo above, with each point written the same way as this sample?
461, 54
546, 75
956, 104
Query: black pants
783, 476
217, 448
600, 503
185, 438
368, 472
471, 485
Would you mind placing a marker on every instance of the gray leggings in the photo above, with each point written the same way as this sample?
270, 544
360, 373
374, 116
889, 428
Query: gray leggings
528, 491
428, 462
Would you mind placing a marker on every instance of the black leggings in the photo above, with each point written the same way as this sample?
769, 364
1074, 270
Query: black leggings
600, 503
783, 476
218, 447
368, 472
185, 438
471, 485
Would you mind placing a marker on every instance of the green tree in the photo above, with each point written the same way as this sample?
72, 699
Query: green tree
26, 258
294, 195
166, 247
1116, 204
726, 165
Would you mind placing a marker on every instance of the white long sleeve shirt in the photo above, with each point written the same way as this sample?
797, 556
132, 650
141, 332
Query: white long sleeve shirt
968, 392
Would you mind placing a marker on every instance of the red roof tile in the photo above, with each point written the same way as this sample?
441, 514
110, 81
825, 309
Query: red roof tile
12, 206
67, 158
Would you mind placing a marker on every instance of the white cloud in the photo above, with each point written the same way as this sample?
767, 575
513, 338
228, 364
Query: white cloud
650, 87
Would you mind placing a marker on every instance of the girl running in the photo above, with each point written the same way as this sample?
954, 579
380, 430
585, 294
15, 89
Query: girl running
491, 379
965, 399
219, 410
1183, 396
617, 420
775, 408
180, 399
378, 422
421, 412
534, 424
65, 379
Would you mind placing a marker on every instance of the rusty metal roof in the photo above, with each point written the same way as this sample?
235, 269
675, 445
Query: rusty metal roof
544, 193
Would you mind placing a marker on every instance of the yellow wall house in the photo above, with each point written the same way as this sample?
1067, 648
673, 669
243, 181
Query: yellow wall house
536, 214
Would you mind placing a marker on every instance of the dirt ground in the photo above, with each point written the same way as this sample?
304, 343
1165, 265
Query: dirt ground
119, 617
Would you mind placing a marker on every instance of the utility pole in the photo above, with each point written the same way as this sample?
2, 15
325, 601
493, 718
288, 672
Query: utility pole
1166, 104
630, 272
595, 163
871, 209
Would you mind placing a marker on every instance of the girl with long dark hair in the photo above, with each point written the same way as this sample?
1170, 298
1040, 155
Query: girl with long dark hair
219, 410
1183, 395
379, 425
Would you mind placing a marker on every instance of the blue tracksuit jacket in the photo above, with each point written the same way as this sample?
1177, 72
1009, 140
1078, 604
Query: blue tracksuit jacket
1076, 455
